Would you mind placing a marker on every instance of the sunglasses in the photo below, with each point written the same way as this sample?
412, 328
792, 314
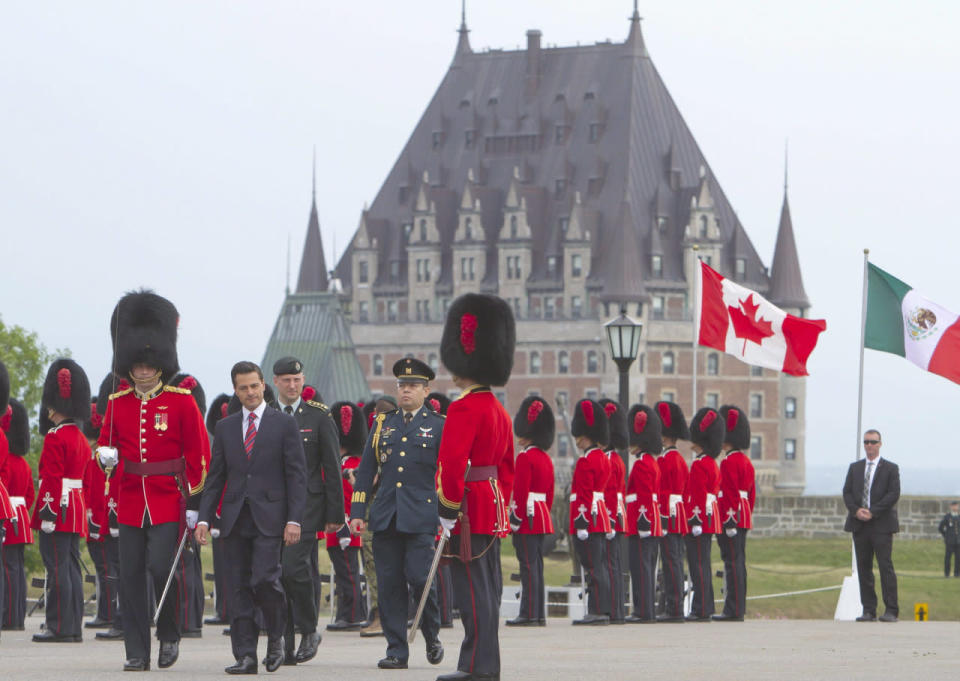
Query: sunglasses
871, 442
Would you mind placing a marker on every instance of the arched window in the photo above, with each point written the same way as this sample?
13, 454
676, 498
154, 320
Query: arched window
378, 365
423, 230
713, 364
592, 363
703, 226
534, 362
513, 226
668, 363
563, 362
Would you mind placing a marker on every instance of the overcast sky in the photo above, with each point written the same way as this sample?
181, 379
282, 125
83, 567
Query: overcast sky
169, 145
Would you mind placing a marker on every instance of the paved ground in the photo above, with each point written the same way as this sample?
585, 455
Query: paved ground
779, 649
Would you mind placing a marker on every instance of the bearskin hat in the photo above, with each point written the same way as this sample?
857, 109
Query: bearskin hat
478, 339
4, 387
535, 422
618, 424
144, 331
707, 430
66, 390
738, 426
438, 402
110, 385
672, 420
189, 382
310, 393
236, 405
645, 428
94, 422
16, 425
590, 421
351, 426
369, 410
217, 410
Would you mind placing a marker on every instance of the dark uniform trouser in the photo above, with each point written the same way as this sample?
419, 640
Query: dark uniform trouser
643, 574
146, 555
671, 552
733, 551
701, 573
298, 584
369, 566
190, 587
866, 544
403, 559
351, 607
61, 557
13, 586
106, 587
615, 572
529, 548
951, 550
445, 593
219, 585
592, 555
315, 576
477, 588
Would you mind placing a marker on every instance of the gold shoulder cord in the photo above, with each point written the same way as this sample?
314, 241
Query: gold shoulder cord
376, 439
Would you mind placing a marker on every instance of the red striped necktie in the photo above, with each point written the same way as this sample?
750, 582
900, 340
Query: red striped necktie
251, 433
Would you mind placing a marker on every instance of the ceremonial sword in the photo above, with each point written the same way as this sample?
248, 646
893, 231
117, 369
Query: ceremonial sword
173, 570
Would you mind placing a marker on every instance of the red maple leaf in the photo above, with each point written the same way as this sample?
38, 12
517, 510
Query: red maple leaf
747, 325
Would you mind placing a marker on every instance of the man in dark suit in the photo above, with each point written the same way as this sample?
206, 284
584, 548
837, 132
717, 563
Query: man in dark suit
323, 510
258, 467
871, 492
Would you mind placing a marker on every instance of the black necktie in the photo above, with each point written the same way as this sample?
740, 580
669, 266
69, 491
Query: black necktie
407, 417
288, 409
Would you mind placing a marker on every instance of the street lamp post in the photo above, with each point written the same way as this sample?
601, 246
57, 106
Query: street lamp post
623, 336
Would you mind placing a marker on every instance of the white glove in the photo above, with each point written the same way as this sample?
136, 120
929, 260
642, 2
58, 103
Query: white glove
731, 532
192, 519
48, 526
515, 528
696, 530
215, 532
94, 535
644, 535
582, 535
114, 532
344, 543
109, 456
447, 526
611, 534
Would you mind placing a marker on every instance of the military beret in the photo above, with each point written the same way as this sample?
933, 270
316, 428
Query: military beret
410, 369
287, 365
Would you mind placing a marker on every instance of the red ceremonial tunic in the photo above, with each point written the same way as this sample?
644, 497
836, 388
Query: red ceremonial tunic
586, 491
477, 431
95, 495
165, 425
700, 496
64, 457
350, 463
642, 493
533, 491
6, 508
613, 493
738, 491
19, 485
673, 481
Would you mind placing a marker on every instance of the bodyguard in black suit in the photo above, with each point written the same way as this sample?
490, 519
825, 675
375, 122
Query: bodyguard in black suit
870, 493
258, 466
323, 510
401, 457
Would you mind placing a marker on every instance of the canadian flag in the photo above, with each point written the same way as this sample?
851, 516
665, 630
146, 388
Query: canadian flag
746, 325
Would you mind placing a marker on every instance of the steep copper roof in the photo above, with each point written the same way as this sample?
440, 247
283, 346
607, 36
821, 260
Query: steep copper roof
786, 286
313, 265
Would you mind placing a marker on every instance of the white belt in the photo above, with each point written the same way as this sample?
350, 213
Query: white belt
674, 501
66, 485
630, 498
18, 501
533, 498
654, 495
711, 500
573, 497
744, 494
597, 496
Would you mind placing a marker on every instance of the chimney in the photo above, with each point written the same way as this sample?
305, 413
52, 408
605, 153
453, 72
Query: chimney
533, 60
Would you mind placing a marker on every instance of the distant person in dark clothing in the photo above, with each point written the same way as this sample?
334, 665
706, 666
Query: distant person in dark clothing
950, 529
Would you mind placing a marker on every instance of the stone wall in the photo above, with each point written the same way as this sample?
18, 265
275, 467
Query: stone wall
796, 516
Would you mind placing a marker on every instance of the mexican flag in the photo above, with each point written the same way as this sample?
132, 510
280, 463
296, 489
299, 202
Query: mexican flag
742, 323
903, 322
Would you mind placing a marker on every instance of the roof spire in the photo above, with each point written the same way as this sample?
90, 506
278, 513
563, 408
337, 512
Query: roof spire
635, 37
313, 265
786, 165
314, 174
786, 283
463, 43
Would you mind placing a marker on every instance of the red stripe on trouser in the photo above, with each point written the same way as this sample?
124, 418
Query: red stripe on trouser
473, 608
643, 607
529, 585
56, 583
6, 576
703, 590
612, 573
673, 577
106, 588
736, 596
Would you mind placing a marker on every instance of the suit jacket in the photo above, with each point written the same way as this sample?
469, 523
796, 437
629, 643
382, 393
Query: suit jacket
321, 447
884, 494
272, 481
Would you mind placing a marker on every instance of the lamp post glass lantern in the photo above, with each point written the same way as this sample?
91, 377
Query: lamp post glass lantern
623, 336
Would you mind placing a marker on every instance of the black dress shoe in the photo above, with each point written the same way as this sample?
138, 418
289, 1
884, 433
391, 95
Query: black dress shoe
169, 652
443, 625
434, 652
308, 647
215, 620
112, 635
245, 665
49, 637
522, 622
192, 633
136, 664
698, 618
867, 617
727, 618
467, 676
391, 662
226, 631
666, 619
274, 657
593, 620
97, 623
343, 625
289, 658
888, 617
618, 621
636, 619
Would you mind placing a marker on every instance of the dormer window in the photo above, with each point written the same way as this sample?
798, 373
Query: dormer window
437, 139
587, 96
576, 265
402, 194
467, 229
594, 132
703, 226
363, 275
394, 269
564, 222
469, 137
560, 134
407, 228
662, 222
740, 269
552, 265
423, 230
559, 187
656, 266
513, 226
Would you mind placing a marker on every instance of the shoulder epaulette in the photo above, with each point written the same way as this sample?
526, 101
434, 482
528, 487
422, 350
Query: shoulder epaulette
175, 389
121, 393
319, 405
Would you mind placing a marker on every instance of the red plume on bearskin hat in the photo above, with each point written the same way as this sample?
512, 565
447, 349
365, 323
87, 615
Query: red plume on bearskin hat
535, 421
590, 421
4, 387
16, 425
479, 337
738, 426
438, 402
93, 424
673, 420
65, 390
618, 425
144, 331
351, 426
217, 410
644, 427
706, 430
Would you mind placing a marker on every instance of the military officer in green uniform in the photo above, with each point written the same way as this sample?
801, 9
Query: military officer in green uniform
401, 453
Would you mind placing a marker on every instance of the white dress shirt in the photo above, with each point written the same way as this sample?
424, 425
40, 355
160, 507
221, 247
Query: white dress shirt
256, 422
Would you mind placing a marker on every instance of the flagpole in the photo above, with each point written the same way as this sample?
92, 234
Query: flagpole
863, 336
696, 318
